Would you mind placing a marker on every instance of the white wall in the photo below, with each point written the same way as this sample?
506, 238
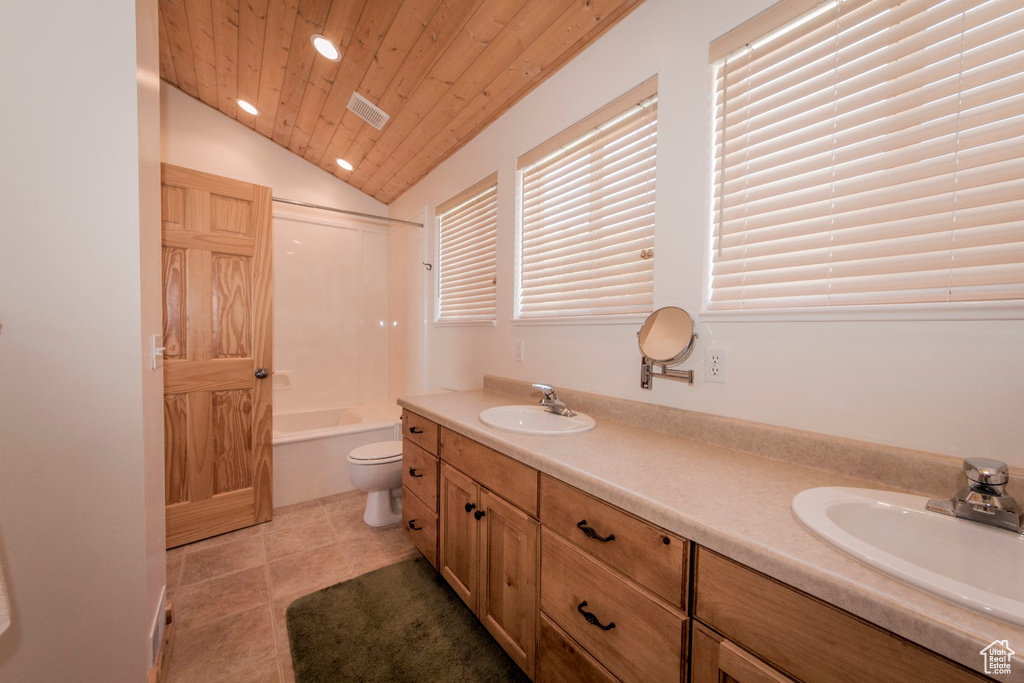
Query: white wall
197, 136
948, 387
151, 290
77, 406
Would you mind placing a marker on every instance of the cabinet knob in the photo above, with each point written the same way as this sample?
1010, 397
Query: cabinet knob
590, 533
470, 507
412, 473
591, 619
479, 513
412, 525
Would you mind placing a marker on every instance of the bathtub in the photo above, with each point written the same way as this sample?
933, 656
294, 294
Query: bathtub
310, 447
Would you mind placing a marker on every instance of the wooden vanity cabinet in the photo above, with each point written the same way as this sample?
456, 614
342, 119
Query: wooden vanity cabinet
420, 469
800, 635
489, 548
713, 659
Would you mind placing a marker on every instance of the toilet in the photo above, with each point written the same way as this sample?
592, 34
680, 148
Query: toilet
377, 468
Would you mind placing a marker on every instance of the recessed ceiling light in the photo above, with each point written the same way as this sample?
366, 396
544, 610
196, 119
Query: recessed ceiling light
344, 164
247, 107
325, 47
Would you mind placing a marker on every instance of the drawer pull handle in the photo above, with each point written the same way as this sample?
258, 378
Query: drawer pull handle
479, 513
412, 525
470, 507
412, 473
590, 533
591, 619
415, 430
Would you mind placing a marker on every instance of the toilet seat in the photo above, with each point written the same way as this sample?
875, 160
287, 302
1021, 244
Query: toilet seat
379, 453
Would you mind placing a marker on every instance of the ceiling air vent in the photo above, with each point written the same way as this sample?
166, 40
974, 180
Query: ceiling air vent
362, 108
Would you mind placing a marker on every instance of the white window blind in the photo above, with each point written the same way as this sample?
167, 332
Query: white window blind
467, 230
871, 152
587, 214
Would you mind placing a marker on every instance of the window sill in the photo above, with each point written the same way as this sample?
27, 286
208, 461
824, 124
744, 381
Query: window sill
465, 323
983, 310
636, 319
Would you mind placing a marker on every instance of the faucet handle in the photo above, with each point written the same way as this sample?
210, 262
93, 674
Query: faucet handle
986, 471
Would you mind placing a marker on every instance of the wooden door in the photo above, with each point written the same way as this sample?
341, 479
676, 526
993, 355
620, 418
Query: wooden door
217, 332
717, 660
507, 594
459, 524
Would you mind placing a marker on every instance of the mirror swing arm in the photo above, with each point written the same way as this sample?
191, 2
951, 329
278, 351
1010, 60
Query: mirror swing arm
665, 339
648, 372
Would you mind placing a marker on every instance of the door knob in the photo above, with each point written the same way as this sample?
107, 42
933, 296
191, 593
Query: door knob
261, 373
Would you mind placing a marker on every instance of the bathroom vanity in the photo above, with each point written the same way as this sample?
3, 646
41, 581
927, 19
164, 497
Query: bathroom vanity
631, 554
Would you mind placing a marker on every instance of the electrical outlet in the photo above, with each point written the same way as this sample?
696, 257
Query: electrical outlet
520, 350
716, 365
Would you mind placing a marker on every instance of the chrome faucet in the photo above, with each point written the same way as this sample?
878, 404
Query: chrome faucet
984, 498
552, 403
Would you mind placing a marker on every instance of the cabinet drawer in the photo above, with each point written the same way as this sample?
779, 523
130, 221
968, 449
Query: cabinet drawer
560, 659
808, 639
419, 473
645, 643
421, 525
650, 556
510, 479
420, 431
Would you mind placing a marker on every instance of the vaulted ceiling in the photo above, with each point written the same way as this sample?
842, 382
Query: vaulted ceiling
442, 70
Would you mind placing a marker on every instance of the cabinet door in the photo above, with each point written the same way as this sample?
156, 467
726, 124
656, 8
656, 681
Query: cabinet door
716, 660
458, 548
507, 598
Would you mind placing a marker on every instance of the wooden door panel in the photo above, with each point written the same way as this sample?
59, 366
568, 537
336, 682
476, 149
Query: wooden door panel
172, 207
202, 463
230, 215
175, 313
232, 300
232, 439
197, 240
458, 546
176, 448
509, 567
202, 519
217, 331
199, 305
226, 373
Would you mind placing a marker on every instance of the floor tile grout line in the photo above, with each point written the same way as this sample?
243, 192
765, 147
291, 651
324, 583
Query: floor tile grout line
189, 586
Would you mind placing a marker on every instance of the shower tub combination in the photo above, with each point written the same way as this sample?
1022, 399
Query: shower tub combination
310, 448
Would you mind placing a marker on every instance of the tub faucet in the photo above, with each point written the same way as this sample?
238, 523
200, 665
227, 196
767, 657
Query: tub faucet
552, 403
984, 498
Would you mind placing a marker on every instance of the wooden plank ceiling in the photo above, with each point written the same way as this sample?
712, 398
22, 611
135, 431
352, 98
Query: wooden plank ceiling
443, 70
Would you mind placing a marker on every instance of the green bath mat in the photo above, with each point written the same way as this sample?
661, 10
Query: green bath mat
398, 623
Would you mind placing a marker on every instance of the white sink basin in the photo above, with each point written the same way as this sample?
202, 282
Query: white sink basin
534, 420
975, 566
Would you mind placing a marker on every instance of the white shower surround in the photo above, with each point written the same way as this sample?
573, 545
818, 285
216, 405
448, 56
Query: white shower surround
330, 345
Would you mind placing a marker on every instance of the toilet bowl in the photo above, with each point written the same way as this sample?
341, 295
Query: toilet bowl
377, 469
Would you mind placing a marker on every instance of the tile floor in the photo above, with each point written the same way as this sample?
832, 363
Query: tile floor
230, 592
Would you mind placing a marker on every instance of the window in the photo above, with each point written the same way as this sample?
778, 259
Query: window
587, 214
467, 277
868, 152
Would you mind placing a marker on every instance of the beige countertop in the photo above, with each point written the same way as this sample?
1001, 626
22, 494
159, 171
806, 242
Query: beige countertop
735, 503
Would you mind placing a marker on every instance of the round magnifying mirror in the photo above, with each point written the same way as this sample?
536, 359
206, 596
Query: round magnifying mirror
667, 336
